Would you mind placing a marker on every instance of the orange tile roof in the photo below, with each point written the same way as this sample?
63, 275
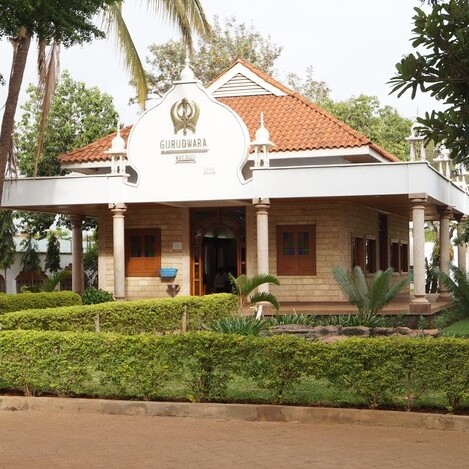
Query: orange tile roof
94, 152
294, 123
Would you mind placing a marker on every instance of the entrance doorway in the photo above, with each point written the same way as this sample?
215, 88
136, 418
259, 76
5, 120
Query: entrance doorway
218, 246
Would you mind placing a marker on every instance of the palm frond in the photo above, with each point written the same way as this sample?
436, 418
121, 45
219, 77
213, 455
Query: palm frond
382, 290
457, 284
348, 285
48, 66
49, 284
115, 23
267, 297
244, 285
186, 15
368, 299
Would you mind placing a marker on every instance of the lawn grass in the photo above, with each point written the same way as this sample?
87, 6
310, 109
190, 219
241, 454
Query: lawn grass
457, 329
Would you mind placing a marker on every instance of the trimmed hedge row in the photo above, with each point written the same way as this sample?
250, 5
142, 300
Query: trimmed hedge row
133, 317
42, 300
382, 371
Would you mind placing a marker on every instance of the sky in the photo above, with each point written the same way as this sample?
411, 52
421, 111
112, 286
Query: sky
353, 46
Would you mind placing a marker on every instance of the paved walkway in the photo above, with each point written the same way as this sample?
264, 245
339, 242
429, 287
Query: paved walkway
37, 439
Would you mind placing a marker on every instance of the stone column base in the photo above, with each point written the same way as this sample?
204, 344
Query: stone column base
420, 307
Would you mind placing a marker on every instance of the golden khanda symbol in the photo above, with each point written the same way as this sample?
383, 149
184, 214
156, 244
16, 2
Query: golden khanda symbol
185, 115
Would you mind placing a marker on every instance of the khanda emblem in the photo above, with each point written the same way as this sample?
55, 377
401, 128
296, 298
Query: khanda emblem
185, 115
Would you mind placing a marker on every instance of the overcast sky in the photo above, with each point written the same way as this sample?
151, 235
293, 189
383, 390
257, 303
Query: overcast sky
352, 45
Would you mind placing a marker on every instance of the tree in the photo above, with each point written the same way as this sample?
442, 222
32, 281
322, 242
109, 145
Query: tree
441, 70
30, 256
56, 22
7, 240
381, 124
52, 262
78, 116
227, 43
315, 91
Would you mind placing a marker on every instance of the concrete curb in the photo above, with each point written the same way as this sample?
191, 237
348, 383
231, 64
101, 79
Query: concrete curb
248, 412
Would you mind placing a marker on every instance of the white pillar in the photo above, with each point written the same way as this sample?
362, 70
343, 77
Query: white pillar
262, 213
78, 279
445, 214
118, 235
419, 303
462, 251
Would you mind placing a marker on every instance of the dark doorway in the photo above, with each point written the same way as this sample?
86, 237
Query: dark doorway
218, 241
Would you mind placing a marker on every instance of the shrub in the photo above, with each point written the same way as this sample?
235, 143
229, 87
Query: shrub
457, 284
42, 300
381, 371
209, 361
92, 296
132, 317
280, 319
369, 367
354, 320
277, 363
237, 325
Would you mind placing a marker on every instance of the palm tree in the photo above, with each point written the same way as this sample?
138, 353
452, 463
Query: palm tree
457, 283
243, 286
72, 24
369, 299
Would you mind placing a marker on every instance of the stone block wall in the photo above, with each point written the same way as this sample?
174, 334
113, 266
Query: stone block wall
174, 225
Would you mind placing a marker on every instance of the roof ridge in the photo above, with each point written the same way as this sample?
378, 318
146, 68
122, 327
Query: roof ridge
264, 75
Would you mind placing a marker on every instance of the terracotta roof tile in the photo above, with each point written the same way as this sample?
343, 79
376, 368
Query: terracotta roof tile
294, 123
94, 151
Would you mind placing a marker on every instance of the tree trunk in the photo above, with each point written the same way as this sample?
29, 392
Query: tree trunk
14, 87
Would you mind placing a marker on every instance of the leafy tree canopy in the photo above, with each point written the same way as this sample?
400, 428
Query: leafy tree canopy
68, 22
381, 124
441, 70
316, 91
227, 43
78, 116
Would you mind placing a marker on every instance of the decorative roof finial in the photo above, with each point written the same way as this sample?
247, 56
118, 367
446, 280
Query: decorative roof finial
262, 134
187, 74
118, 143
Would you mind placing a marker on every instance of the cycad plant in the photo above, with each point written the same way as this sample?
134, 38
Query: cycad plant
243, 287
368, 298
457, 283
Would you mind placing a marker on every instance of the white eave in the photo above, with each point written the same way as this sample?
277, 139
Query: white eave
339, 181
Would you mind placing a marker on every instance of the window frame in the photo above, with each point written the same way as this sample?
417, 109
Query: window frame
296, 264
141, 266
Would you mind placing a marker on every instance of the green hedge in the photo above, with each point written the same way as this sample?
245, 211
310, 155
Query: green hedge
202, 366
42, 300
133, 317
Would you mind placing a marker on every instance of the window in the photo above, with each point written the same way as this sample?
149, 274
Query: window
395, 256
296, 250
143, 253
370, 255
404, 257
358, 252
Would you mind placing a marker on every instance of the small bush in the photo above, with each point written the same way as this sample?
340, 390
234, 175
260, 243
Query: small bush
133, 317
42, 300
93, 296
